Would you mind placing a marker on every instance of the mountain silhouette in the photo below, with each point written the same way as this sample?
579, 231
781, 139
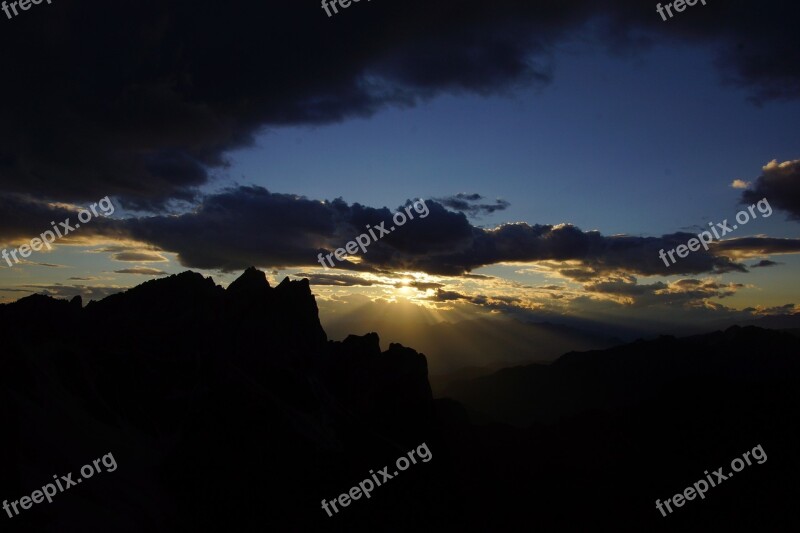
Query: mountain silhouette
188, 382
491, 342
229, 409
624, 375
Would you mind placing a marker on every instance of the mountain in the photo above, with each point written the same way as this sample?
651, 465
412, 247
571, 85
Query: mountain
230, 410
485, 342
627, 375
604, 434
791, 321
213, 402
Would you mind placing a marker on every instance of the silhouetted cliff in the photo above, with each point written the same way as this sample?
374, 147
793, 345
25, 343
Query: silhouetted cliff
229, 410
222, 406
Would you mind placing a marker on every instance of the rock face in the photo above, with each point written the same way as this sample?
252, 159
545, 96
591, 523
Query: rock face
390, 388
230, 410
179, 377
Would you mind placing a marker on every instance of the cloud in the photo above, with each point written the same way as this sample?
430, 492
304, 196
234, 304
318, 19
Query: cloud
590, 253
183, 83
511, 305
424, 285
139, 257
779, 183
685, 292
765, 263
244, 226
142, 271
624, 286
781, 310
33, 263
747, 247
289, 230
448, 296
776, 311
610, 297
740, 184
468, 203
552, 287
23, 218
336, 280
113, 249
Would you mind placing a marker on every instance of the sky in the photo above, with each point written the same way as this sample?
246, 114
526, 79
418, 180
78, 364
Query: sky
558, 149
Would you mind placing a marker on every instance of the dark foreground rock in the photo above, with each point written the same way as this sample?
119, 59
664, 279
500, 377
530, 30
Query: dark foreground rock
230, 410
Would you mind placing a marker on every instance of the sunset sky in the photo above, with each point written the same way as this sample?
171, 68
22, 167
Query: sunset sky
595, 136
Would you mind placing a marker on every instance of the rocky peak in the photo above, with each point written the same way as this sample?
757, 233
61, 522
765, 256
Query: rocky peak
252, 281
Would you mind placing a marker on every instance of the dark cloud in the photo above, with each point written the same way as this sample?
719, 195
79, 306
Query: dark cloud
142, 100
251, 226
552, 287
470, 204
597, 254
506, 304
749, 246
141, 271
114, 249
23, 218
246, 226
681, 293
624, 287
139, 257
780, 185
336, 280
477, 276
47, 265
450, 296
424, 286
781, 310
765, 263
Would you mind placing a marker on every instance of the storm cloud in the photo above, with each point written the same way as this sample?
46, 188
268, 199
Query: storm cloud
142, 100
244, 226
471, 204
252, 226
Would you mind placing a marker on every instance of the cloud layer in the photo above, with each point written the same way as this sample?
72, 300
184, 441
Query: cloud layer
141, 100
245, 226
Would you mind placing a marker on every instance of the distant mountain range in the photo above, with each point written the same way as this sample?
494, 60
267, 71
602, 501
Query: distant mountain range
230, 410
484, 342
626, 375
